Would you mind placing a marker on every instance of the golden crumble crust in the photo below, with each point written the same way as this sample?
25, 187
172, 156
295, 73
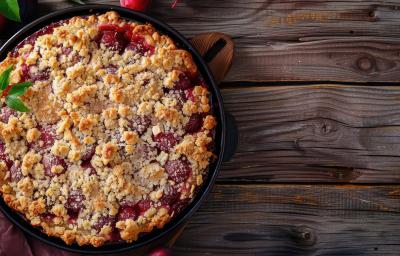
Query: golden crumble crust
119, 133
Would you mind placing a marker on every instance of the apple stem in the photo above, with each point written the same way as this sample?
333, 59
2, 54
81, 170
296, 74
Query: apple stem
174, 4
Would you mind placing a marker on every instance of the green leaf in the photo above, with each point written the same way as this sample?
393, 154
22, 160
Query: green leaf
10, 9
15, 103
19, 89
5, 77
77, 1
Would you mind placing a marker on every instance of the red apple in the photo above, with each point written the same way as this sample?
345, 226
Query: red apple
174, 3
161, 252
138, 5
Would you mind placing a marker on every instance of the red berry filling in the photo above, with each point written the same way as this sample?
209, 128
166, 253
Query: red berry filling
143, 206
109, 27
179, 206
165, 141
139, 124
49, 161
133, 211
127, 212
47, 135
33, 74
183, 83
47, 217
15, 173
88, 153
118, 38
115, 235
138, 44
46, 139
194, 124
6, 113
126, 30
189, 95
74, 203
113, 40
72, 217
169, 198
178, 170
25, 72
104, 221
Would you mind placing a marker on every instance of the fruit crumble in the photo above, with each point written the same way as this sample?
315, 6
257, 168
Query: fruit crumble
119, 135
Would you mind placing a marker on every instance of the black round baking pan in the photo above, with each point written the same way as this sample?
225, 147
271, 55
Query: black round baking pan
224, 143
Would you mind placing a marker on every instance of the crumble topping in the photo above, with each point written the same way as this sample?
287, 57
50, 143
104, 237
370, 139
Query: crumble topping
120, 132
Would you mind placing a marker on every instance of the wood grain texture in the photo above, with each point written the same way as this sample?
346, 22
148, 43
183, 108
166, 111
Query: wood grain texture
295, 220
300, 40
318, 133
293, 40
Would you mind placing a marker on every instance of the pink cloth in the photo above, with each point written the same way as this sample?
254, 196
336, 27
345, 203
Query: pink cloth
14, 242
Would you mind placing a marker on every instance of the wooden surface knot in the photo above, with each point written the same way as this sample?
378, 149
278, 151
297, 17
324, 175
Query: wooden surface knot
304, 235
318, 128
366, 63
327, 126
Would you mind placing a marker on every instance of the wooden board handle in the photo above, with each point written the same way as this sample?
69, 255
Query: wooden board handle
217, 50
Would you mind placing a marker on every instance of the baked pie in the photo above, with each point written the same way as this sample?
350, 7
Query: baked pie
119, 135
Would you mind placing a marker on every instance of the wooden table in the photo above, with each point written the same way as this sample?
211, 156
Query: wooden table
314, 90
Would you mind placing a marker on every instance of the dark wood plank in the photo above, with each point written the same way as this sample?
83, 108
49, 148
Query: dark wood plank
318, 133
295, 220
300, 40
293, 40
354, 59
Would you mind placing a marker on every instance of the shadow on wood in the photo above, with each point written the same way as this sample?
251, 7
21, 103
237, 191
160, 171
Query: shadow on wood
295, 220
